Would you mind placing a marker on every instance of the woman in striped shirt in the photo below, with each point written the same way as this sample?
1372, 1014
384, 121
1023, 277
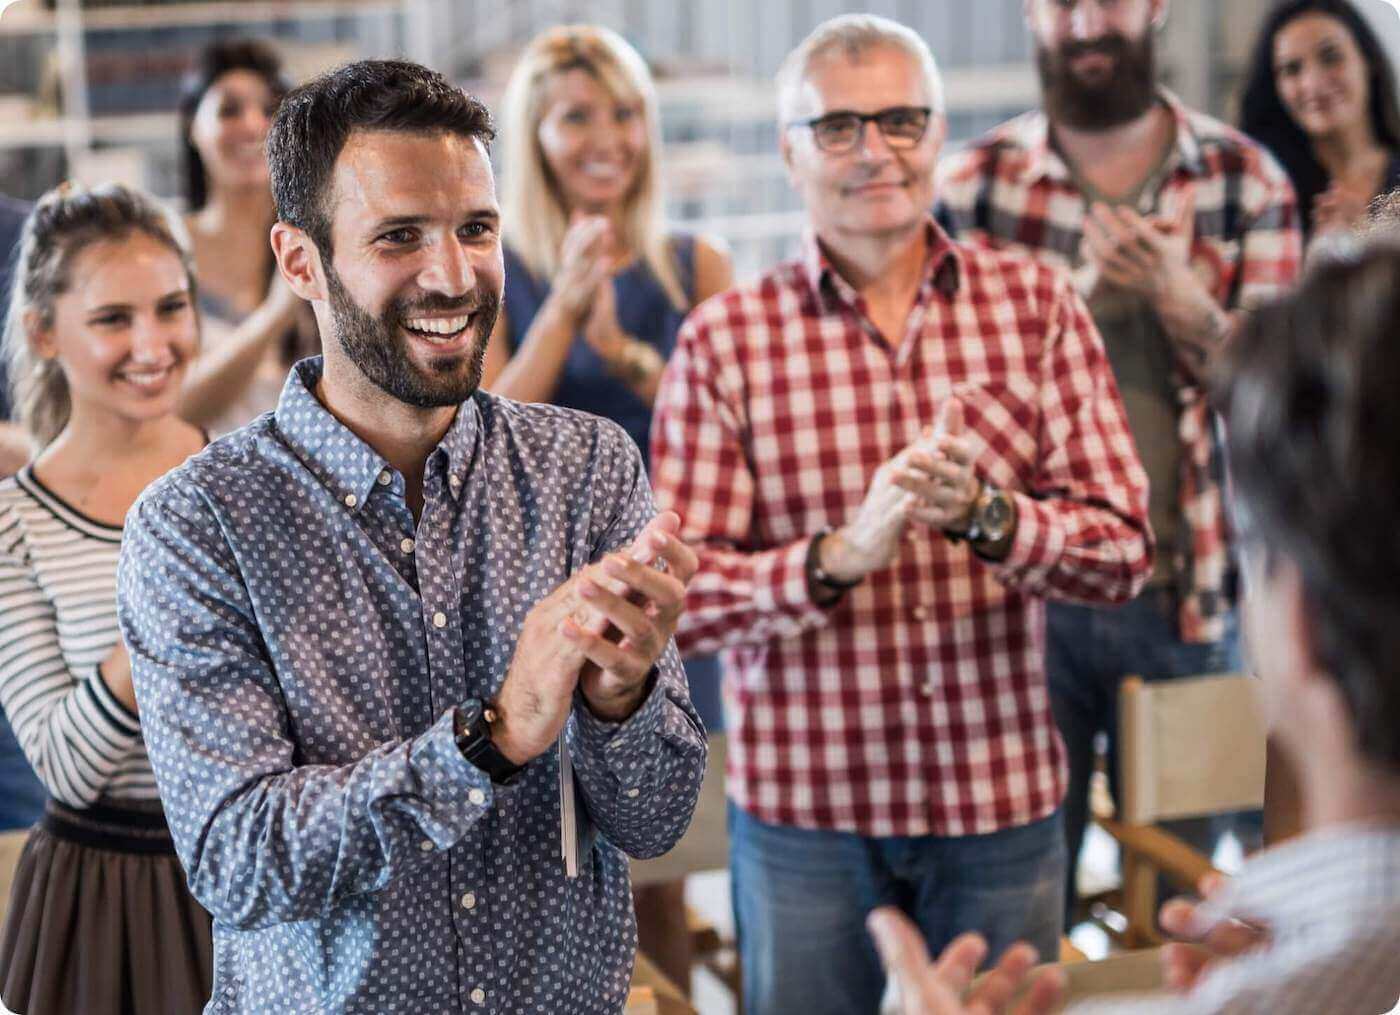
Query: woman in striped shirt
101, 328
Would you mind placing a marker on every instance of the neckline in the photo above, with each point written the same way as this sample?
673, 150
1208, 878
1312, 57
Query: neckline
65, 512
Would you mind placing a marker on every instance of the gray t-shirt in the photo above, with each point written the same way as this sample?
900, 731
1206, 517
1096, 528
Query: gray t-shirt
1141, 354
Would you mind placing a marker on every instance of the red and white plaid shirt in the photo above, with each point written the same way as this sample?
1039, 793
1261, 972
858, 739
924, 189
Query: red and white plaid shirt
918, 704
1010, 190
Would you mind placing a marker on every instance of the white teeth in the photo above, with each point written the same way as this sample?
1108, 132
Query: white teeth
602, 169
438, 326
146, 377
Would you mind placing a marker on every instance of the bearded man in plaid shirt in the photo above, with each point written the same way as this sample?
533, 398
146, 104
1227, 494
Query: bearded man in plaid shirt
888, 453
1169, 221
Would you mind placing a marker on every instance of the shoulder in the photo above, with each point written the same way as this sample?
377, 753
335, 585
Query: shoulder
13, 500
1227, 150
1002, 273
714, 265
1003, 149
546, 437
236, 466
748, 313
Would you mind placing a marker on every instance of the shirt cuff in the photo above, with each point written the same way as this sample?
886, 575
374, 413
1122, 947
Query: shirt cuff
1036, 546
109, 715
780, 583
456, 793
621, 740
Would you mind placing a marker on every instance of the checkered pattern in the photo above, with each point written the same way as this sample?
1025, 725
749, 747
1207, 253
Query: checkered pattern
917, 705
1011, 190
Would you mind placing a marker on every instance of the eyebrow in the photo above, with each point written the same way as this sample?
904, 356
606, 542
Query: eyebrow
404, 221
107, 308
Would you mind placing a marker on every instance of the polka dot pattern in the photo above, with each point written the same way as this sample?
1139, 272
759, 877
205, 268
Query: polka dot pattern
300, 650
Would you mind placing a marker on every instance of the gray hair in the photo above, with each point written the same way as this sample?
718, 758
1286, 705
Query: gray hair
65, 221
854, 34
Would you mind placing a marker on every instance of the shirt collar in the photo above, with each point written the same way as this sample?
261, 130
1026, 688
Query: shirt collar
942, 270
344, 463
1032, 135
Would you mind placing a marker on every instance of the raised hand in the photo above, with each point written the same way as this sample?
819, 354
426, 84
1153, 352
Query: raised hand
636, 608
927, 987
942, 479
1201, 939
585, 260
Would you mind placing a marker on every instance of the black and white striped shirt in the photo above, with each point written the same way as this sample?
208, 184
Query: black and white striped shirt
58, 620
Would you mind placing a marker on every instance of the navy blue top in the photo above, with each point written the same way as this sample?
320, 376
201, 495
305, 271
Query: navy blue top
644, 311
648, 315
21, 793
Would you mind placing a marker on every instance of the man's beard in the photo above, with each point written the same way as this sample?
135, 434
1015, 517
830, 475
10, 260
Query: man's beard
378, 347
1119, 98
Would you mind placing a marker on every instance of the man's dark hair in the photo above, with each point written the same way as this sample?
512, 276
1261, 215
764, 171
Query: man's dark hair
1308, 391
314, 122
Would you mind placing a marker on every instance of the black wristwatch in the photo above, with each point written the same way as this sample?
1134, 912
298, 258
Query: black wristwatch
474, 720
990, 521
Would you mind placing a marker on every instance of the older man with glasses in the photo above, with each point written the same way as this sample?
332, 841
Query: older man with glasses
888, 453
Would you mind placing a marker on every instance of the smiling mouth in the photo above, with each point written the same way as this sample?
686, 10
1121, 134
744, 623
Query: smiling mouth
439, 330
147, 378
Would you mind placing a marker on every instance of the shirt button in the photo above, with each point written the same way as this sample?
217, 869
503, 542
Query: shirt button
426, 845
926, 690
469, 901
439, 619
454, 482
478, 996
633, 793
406, 546
385, 479
477, 797
351, 500
920, 613
911, 535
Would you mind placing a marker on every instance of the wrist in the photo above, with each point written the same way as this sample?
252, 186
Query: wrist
837, 559
510, 746
620, 707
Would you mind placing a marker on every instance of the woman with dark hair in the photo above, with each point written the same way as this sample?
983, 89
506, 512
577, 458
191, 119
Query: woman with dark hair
252, 329
1321, 94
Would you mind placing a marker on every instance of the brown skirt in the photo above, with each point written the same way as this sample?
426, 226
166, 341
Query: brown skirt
100, 920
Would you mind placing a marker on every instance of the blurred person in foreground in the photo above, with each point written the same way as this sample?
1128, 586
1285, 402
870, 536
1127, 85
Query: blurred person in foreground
1170, 222
1313, 925
596, 288
889, 453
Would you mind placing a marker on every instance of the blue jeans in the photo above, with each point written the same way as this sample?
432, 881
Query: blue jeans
22, 795
801, 898
1089, 652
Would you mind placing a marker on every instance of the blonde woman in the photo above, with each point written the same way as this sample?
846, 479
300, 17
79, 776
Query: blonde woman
596, 288
100, 332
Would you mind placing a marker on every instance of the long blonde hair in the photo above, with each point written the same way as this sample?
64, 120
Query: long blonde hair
67, 219
536, 218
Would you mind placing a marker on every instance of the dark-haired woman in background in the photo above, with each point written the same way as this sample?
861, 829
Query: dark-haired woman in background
1321, 95
253, 330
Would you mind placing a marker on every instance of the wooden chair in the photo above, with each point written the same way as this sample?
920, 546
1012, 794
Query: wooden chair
1135, 973
11, 845
1187, 748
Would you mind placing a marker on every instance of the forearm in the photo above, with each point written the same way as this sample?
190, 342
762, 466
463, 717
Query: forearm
283, 846
745, 598
221, 374
641, 777
1080, 552
532, 374
1194, 322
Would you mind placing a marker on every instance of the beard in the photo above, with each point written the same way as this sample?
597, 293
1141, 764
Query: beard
1111, 101
378, 347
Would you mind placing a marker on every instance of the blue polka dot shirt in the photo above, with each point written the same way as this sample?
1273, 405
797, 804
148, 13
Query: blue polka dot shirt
301, 650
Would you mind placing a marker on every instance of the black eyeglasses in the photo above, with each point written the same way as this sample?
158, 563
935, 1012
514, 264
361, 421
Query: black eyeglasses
901, 127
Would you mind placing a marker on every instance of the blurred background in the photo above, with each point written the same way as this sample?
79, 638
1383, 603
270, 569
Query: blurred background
87, 89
